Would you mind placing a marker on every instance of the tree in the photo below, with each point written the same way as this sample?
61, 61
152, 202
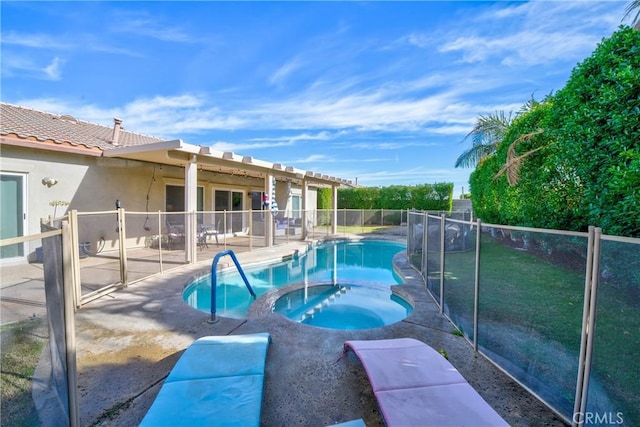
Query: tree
633, 6
488, 133
485, 137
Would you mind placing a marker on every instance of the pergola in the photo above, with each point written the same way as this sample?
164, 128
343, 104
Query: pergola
193, 158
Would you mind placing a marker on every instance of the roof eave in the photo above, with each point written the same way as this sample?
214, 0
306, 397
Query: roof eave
174, 144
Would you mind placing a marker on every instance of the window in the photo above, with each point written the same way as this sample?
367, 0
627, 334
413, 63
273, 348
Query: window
296, 202
256, 200
175, 203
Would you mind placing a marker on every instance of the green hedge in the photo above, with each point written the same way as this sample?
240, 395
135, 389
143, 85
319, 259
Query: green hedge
434, 197
597, 116
324, 198
585, 169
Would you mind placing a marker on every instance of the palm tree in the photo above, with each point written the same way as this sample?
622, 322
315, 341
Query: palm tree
512, 166
488, 132
485, 137
634, 5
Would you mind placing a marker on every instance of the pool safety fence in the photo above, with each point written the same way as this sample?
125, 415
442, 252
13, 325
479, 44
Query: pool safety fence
132, 246
37, 332
558, 311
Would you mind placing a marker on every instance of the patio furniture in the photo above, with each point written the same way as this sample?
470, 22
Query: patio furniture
204, 231
175, 236
416, 386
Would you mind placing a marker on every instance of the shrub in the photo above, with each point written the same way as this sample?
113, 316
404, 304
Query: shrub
578, 151
435, 197
598, 118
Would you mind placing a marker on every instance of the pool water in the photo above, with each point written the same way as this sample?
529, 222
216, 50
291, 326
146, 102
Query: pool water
344, 306
337, 262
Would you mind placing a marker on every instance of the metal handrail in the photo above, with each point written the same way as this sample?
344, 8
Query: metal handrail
214, 279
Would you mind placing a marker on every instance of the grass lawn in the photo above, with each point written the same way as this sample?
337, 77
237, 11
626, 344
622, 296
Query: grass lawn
21, 343
530, 317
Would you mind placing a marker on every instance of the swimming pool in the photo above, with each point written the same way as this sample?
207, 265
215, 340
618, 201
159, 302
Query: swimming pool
368, 261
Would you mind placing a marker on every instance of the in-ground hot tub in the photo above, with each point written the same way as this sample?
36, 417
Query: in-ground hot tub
344, 306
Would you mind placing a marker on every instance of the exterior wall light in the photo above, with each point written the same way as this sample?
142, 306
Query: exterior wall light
49, 182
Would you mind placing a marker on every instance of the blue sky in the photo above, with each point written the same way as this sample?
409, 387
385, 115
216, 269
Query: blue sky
381, 92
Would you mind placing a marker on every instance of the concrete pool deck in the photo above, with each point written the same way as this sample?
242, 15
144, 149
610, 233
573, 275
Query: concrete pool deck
128, 341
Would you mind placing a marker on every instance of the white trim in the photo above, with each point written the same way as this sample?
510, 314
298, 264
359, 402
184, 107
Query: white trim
175, 144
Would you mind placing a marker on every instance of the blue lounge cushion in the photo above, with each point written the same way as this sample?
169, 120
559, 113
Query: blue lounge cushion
211, 357
217, 381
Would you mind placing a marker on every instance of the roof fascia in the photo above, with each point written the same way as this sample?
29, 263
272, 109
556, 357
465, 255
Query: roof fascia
175, 144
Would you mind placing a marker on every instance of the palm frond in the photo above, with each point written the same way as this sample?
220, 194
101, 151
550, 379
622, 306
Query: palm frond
528, 106
512, 166
485, 136
634, 5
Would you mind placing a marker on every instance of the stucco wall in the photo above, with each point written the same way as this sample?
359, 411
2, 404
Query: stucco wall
67, 169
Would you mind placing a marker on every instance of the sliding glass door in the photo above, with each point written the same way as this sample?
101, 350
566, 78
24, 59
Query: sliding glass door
232, 202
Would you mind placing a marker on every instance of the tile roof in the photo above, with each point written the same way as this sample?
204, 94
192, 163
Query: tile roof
63, 129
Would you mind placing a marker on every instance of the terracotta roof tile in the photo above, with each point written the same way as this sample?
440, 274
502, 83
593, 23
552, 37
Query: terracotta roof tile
27, 123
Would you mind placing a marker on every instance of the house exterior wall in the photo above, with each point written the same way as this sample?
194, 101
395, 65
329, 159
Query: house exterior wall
67, 169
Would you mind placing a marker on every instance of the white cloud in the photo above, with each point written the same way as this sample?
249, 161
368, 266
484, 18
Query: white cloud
373, 110
420, 40
248, 146
36, 41
53, 70
532, 33
146, 25
523, 48
314, 158
63, 43
341, 116
387, 146
273, 142
306, 136
18, 65
413, 176
161, 116
284, 71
